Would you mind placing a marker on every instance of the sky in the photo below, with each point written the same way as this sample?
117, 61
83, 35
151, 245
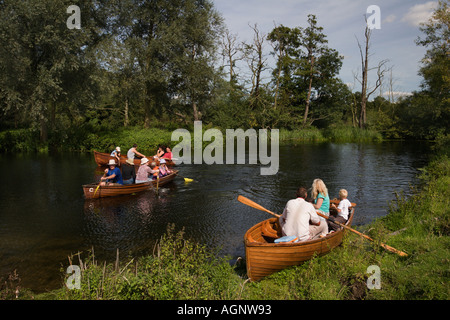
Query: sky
343, 21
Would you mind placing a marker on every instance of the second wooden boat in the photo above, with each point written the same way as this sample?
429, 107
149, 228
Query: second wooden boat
92, 192
102, 159
264, 257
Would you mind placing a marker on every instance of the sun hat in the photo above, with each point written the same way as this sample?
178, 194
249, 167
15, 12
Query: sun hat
111, 162
118, 149
144, 160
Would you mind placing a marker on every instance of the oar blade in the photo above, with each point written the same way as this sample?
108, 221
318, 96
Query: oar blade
253, 204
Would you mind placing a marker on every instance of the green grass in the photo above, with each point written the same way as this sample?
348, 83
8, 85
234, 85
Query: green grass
352, 134
311, 134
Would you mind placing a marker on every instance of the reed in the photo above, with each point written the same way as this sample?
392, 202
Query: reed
311, 134
352, 134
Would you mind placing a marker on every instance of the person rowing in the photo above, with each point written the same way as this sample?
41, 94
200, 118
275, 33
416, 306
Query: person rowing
134, 154
112, 175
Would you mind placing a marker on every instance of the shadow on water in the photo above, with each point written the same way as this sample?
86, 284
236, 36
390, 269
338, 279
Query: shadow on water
45, 218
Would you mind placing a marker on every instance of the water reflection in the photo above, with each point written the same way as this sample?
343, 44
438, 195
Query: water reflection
124, 222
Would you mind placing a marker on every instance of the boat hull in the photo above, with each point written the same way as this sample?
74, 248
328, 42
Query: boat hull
102, 159
94, 191
264, 257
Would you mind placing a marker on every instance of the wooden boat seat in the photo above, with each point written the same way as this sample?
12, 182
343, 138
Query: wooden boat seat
270, 230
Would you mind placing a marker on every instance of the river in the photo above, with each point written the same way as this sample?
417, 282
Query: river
44, 217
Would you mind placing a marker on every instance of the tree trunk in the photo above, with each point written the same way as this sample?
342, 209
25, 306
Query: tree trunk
365, 70
194, 107
125, 111
277, 88
43, 130
308, 98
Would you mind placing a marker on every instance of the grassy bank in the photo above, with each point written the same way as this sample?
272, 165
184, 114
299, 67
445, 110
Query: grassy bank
181, 269
88, 139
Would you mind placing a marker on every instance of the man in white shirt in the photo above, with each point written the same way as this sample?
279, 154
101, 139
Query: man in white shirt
300, 219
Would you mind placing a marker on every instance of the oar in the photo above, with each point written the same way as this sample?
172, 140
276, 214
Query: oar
389, 248
250, 203
96, 189
99, 185
157, 184
187, 179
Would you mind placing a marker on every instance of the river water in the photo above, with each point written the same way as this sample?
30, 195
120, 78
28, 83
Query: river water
44, 217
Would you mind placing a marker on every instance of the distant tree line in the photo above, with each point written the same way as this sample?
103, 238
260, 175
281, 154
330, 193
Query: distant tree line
166, 63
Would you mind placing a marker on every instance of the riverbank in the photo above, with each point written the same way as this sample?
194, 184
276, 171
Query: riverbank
88, 139
182, 269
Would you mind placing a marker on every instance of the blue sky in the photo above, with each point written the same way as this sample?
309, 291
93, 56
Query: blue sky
343, 21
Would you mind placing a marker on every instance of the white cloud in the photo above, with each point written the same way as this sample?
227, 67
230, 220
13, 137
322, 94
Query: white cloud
390, 18
397, 93
419, 13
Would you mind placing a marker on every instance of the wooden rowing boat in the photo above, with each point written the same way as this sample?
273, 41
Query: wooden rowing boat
91, 191
102, 159
264, 257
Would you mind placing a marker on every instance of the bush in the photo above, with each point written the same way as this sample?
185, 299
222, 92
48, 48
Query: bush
178, 269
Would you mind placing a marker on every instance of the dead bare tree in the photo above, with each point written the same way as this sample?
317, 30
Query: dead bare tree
256, 60
367, 91
231, 53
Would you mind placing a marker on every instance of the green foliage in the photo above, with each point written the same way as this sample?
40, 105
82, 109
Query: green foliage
425, 225
178, 269
20, 140
352, 134
307, 134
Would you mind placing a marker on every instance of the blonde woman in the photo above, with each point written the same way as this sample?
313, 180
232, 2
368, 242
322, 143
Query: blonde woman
320, 195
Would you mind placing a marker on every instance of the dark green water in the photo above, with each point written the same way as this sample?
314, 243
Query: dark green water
44, 217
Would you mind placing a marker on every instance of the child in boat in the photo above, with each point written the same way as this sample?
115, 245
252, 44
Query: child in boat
155, 170
163, 169
342, 210
116, 154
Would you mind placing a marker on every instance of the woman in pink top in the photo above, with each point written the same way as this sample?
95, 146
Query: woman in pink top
168, 154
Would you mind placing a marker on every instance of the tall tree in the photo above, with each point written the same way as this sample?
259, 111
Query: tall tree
231, 53
201, 28
366, 90
304, 64
313, 41
435, 68
284, 41
44, 64
148, 34
257, 63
